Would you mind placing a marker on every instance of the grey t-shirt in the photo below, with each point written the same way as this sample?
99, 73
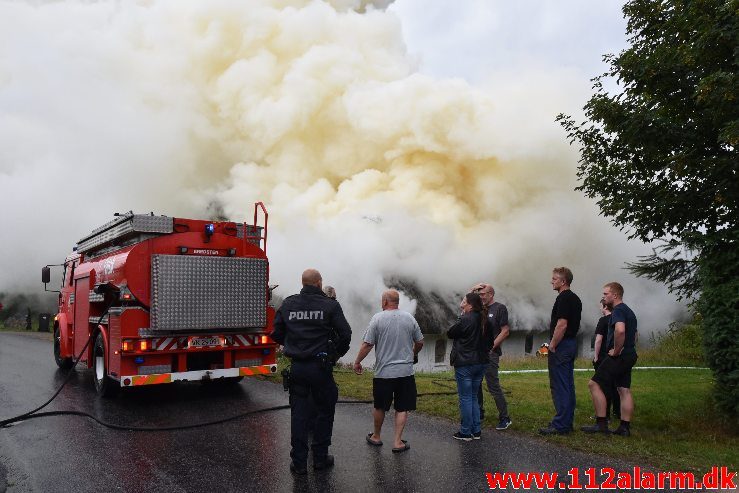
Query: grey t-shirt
393, 333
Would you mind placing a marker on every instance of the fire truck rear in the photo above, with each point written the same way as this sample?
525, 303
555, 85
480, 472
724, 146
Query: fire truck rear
160, 299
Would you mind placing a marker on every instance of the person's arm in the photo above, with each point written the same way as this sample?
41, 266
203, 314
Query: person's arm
417, 346
363, 352
559, 333
343, 330
457, 329
278, 332
619, 337
504, 332
598, 344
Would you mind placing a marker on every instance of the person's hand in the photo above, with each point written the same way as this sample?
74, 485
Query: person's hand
552, 349
612, 353
595, 359
358, 368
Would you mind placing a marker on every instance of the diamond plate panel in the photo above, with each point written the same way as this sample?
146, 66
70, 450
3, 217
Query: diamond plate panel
248, 362
124, 226
197, 293
154, 369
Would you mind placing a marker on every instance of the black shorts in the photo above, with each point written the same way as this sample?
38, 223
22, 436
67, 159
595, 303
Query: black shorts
401, 391
615, 371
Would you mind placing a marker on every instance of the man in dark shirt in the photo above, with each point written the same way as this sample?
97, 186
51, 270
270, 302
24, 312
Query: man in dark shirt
613, 403
312, 328
563, 327
616, 369
498, 317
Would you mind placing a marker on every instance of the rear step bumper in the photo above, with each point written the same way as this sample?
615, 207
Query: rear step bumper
196, 376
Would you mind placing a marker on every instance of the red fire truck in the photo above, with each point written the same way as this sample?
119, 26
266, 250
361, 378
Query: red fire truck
163, 299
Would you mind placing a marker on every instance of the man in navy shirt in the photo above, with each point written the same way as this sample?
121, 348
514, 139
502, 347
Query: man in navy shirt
616, 368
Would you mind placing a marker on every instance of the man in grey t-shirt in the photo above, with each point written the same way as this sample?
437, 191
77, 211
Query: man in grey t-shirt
397, 338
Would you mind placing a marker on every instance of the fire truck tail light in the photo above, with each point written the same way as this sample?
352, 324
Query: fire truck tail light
264, 340
127, 346
125, 294
144, 345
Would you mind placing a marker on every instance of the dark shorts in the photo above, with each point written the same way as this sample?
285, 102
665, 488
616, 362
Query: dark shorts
401, 391
615, 371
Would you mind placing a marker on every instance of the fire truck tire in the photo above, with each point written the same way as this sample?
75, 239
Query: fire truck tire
63, 363
104, 385
233, 380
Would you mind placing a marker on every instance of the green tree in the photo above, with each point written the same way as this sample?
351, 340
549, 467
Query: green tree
660, 158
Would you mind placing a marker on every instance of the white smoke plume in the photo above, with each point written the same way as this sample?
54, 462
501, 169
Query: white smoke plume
368, 168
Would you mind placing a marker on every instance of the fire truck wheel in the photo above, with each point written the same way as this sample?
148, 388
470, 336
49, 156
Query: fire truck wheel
232, 380
104, 385
63, 363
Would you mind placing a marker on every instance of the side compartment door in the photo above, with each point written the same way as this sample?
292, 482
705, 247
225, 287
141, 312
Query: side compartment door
81, 316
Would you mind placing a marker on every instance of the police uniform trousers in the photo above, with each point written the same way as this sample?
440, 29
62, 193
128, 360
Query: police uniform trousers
313, 396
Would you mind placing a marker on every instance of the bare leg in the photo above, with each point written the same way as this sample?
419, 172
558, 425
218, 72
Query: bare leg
627, 403
378, 416
400, 420
599, 399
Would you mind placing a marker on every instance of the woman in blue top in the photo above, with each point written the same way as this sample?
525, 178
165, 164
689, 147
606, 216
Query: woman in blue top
470, 359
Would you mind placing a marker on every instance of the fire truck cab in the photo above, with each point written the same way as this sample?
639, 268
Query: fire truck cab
151, 299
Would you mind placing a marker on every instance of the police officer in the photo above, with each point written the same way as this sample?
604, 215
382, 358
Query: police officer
314, 332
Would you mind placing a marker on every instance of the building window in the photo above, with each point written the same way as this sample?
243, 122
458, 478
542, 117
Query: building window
440, 351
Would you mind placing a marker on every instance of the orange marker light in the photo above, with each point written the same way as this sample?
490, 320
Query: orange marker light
143, 345
265, 340
127, 346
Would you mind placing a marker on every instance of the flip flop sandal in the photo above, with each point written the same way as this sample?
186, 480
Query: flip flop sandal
398, 450
372, 442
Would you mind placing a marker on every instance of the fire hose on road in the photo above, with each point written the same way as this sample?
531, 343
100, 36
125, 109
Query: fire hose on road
33, 414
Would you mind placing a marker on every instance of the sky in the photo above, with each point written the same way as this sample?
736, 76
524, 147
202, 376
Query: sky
411, 140
479, 39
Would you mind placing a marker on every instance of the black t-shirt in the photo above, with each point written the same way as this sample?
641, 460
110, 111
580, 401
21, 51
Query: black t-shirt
498, 317
622, 313
567, 306
602, 329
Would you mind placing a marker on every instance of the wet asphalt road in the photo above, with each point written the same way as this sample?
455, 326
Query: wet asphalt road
68, 453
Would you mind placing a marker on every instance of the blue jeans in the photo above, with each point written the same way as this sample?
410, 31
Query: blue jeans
562, 383
469, 379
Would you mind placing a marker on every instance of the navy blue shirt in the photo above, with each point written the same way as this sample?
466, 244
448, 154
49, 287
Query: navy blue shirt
622, 313
305, 322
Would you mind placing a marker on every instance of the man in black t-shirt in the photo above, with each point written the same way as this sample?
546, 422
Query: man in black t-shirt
616, 369
498, 318
613, 403
563, 327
